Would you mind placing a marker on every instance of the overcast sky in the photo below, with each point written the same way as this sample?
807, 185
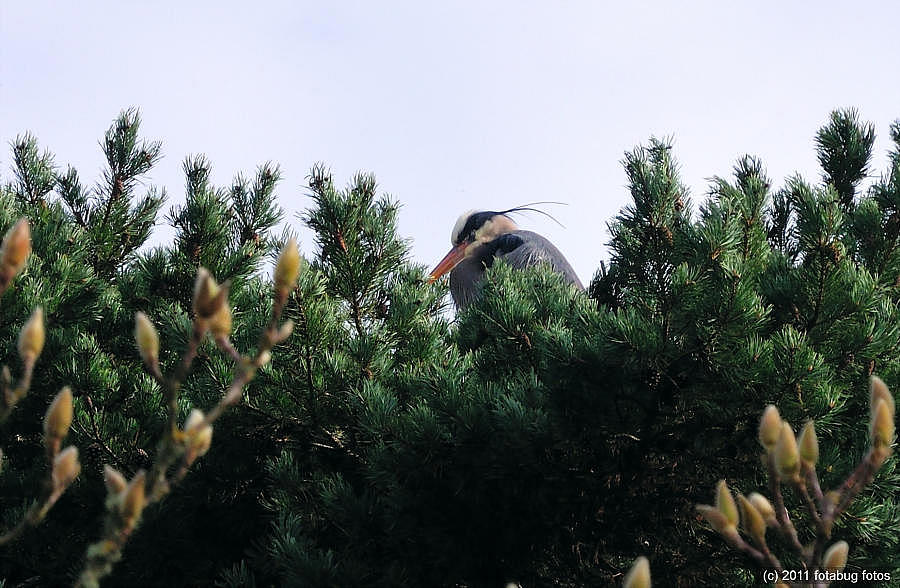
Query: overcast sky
453, 105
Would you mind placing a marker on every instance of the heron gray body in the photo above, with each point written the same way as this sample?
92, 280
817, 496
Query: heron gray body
520, 249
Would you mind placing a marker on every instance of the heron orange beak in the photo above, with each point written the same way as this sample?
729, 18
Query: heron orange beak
449, 262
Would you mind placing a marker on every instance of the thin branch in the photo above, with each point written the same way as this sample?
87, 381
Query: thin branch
176, 445
781, 514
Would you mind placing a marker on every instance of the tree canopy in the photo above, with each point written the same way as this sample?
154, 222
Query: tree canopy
543, 436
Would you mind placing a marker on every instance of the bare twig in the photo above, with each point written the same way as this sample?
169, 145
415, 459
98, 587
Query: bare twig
182, 446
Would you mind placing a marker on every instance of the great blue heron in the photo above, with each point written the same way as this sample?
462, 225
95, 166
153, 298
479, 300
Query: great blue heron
481, 236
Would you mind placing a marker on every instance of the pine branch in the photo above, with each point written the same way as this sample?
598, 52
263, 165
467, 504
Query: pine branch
35, 171
64, 466
180, 447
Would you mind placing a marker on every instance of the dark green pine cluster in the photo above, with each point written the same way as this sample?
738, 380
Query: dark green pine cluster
91, 279
549, 438
544, 436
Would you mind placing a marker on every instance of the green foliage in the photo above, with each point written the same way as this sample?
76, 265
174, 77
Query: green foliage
549, 439
86, 272
792, 462
116, 222
542, 437
844, 149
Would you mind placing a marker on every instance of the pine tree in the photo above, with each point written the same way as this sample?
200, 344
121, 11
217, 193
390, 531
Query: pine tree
63, 466
544, 436
210, 521
88, 274
59, 277
550, 438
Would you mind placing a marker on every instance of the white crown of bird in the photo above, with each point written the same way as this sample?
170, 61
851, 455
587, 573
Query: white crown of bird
460, 224
497, 225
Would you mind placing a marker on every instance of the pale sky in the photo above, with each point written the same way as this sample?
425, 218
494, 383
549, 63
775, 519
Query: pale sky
453, 105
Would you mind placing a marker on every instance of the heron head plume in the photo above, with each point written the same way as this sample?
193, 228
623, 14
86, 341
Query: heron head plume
475, 228
481, 226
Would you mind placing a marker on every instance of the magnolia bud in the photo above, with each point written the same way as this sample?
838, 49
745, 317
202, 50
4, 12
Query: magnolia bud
717, 521
809, 444
220, 322
754, 523
194, 419
286, 329
879, 454
16, 247
881, 428
115, 482
762, 506
836, 556
59, 415
208, 296
770, 427
147, 339
65, 468
288, 266
202, 440
787, 458
725, 503
198, 434
639, 574
133, 499
263, 358
878, 389
31, 337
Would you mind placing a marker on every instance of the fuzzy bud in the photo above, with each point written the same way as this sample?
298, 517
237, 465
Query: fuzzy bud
114, 481
31, 337
220, 322
639, 574
770, 427
762, 506
65, 468
287, 269
809, 444
198, 434
879, 454
147, 339
133, 499
835, 557
881, 428
787, 457
208, 296
725, 503
286, 329
754, 523
263, 358
16, 248
879, 390
194, 419
58, 418
717, 521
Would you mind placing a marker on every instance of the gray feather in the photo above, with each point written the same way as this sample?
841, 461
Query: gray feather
533, 249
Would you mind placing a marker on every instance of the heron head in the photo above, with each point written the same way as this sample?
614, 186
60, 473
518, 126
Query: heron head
472, 229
